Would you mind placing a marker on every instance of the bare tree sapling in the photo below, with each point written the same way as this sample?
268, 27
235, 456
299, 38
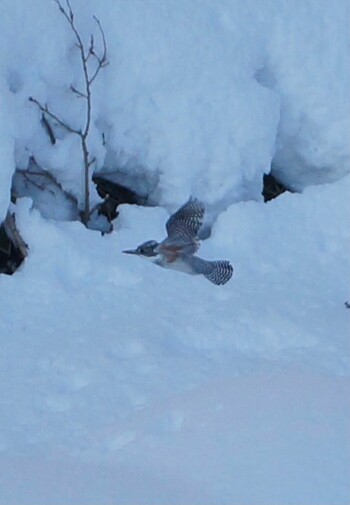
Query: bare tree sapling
92, 62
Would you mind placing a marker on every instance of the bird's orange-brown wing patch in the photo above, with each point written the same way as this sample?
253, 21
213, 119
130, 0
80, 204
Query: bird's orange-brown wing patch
171, 252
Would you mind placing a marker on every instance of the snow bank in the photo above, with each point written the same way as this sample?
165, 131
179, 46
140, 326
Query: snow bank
198, 98
225, 88
309, 67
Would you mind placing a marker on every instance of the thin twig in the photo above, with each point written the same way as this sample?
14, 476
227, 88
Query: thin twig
77, 92
46, 110
92, 161
45, 173
48, 129
25, 174
70, 18
102, 61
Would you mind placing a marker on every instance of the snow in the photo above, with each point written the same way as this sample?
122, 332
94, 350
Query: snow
124, 383
6, 147
199, 98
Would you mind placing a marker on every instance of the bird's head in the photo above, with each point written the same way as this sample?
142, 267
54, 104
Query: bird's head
147, 249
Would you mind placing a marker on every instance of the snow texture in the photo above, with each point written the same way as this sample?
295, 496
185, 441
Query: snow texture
123, 383
199, 98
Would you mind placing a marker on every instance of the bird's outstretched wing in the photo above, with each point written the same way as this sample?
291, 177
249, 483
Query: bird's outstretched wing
185, 223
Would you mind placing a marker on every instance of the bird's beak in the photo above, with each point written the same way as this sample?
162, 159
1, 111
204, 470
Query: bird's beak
130, 251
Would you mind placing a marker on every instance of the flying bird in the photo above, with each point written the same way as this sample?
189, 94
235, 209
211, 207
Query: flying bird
177, 250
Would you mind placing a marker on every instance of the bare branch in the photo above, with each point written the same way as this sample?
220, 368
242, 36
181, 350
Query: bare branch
77, 92
104, 54
44, 108
26, 174
62, 9
95, 74
71, 14
101, 60
92, 44
92, 161
48, 175
48, 129
70, 18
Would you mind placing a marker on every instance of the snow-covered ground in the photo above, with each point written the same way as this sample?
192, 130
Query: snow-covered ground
120, 382
123, 383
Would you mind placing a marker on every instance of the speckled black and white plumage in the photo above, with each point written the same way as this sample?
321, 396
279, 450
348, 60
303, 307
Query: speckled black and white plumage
186, 222
218, 272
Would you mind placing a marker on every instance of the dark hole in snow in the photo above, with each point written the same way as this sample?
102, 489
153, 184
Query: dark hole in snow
13, 249
272, 187
114, 194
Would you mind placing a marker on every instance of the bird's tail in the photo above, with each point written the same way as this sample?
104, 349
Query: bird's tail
217, 272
